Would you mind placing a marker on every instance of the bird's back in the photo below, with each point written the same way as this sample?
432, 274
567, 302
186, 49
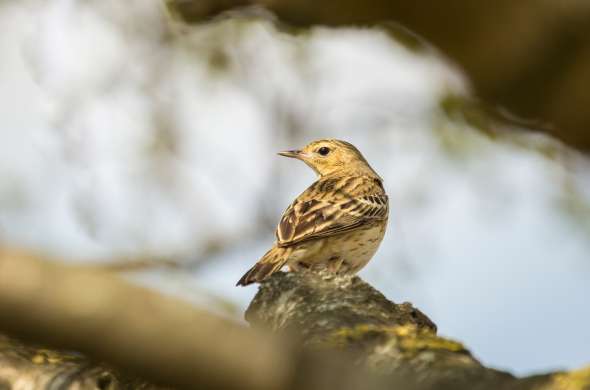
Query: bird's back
333, 205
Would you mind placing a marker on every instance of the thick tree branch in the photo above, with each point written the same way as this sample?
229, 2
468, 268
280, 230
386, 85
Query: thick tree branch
395, 340
138, 330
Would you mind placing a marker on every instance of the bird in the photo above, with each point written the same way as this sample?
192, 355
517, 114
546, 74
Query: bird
337, 223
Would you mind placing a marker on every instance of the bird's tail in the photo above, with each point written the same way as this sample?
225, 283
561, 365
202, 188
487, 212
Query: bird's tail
271, 262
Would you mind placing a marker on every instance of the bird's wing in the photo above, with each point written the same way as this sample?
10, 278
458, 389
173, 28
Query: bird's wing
326, 209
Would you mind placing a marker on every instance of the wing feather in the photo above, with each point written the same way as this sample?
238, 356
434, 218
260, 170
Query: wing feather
327, 208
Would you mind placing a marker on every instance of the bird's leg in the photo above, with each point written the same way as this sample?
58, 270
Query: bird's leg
334, 264
298, 266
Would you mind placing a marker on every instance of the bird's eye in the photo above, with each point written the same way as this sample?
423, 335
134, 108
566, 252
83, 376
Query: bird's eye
324, 150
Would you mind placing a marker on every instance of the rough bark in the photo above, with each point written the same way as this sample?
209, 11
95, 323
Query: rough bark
531, 57
394, 340
24, 367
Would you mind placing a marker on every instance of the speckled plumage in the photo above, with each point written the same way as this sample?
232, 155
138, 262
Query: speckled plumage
337, 223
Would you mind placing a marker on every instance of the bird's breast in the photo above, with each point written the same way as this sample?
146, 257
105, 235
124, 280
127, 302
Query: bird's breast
354, 249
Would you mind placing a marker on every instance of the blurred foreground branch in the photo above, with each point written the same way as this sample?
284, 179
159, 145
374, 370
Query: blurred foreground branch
140, 331
531, 57
353, 337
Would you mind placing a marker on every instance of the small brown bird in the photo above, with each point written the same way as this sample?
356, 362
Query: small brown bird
337, 223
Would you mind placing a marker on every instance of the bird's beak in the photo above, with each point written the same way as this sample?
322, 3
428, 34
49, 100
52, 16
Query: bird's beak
292, 153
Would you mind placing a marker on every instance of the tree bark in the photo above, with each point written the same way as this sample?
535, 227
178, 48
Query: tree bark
25, 367
396, 341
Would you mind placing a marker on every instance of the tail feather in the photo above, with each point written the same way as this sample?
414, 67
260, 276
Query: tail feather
270, 263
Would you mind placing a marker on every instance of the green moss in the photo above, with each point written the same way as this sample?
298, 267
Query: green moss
469, 110
574, 380
411, 339
54, 357
343, 337
407, 338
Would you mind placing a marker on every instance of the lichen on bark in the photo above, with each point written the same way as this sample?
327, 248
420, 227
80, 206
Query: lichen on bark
398, 341
30, 367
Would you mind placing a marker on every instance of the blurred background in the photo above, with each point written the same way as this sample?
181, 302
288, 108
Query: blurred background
132, 140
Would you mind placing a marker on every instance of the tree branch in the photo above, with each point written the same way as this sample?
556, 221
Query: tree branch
395, 340
160, 338
352, 338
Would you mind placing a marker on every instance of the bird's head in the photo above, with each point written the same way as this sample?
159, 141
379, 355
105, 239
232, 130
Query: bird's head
330, 156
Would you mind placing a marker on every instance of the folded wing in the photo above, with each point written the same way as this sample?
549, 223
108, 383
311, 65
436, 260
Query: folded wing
326, 210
